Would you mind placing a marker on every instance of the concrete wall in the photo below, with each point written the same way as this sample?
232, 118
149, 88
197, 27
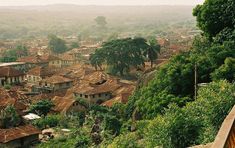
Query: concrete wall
56, 63
33, 79
60, 63
11, 80
59, 86
62, 86
96, 97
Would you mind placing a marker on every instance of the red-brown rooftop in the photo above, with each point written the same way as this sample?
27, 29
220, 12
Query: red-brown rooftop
7, 135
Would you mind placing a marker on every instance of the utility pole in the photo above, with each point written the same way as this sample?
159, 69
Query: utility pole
195, 81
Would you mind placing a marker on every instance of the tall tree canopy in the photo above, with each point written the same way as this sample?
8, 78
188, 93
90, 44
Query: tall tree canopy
101, 21
42, 107
226, 71
153, 50
215, 15
121, 54
57, 45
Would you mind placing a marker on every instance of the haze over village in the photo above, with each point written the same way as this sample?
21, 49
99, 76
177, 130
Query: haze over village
117, 74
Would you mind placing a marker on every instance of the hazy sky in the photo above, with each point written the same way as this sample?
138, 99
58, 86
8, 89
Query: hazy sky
99, 2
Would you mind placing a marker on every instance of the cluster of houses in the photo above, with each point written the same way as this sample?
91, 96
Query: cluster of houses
62, 80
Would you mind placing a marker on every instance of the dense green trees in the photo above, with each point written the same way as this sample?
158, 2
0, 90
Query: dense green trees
9, 117
196, 123
74, 45
41, 107
48, 121
177, 76
57, 45
97, 59
152, 51
215, 15
122, 54
226, 71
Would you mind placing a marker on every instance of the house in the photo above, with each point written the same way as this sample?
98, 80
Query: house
56, 83
10, 75
76, 72
70, 58
54, 61
22, 136
39, 73
15, 99
122, 98
44, 60
33, 61
21, 66
19, 106
66, 105
121, 94
98, 92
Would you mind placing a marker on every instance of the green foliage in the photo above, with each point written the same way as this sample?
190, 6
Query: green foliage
11, 55
111, 123
215, 101
153, 50
174, 81
57, 45
74, 45
48, 121
7, 86
215, 15
101, 21
97, 59
226, 71
60, 142
151, 107
7, 59
83, 142
9, 117
196, 123
41, 107
175, 129
227, 34
121, 54
125, 141
21, 50
83, 102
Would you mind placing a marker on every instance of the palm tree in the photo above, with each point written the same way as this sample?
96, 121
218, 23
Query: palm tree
152, 51
96, 60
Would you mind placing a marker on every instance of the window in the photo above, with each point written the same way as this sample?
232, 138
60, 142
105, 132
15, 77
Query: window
86, 96
99, 95
80, 95
93, 96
